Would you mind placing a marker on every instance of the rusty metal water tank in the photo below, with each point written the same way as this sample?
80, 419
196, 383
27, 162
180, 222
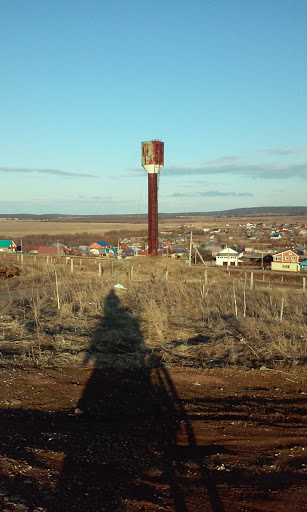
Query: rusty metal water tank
153, 156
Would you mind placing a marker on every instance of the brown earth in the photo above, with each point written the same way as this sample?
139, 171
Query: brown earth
7, 271
165, 439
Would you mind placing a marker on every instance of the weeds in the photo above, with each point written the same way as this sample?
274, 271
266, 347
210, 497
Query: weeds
187, 321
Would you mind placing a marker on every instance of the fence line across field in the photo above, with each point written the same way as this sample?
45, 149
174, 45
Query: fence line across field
289, 281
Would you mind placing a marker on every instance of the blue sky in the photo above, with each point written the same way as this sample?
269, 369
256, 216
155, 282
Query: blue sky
221, 82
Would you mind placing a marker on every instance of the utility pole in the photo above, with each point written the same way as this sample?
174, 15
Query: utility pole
190, 252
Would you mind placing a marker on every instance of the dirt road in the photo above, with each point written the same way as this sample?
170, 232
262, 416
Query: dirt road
167, 439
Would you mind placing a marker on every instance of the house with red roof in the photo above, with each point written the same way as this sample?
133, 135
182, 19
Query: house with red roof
51, 250
287, 261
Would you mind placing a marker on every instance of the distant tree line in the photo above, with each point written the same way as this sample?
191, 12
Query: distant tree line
112, 237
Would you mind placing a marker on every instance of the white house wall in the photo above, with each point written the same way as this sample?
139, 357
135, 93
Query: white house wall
230, 260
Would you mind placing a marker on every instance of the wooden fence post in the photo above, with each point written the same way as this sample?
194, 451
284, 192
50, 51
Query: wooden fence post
304, 284
71, 265
57, 288
235, 300
282, 308
99, 269
252, 281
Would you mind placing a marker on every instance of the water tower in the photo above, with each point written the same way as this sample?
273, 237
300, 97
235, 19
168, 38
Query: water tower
153, 161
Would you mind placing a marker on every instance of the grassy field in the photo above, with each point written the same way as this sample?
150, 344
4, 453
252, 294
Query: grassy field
170, 313
22, 228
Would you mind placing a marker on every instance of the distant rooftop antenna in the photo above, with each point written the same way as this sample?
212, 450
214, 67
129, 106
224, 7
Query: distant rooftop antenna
153, 161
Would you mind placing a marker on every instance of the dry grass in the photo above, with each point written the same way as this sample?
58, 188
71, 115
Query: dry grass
20, 229
179, 320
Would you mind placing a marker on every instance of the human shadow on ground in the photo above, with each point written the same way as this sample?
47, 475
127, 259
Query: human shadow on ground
127, 445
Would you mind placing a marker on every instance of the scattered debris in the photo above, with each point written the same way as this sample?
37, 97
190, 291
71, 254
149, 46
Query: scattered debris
14, 402
120, 287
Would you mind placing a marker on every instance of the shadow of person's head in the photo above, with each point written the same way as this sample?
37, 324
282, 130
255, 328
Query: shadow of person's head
116, 334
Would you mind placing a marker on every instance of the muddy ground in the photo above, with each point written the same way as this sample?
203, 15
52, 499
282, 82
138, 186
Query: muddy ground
168, 439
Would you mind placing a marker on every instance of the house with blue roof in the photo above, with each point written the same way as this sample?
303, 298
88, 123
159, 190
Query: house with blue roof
98, 245
111, 252
98, 248
129, 252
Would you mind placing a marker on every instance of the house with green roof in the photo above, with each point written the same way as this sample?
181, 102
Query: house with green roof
303, 266
7, 246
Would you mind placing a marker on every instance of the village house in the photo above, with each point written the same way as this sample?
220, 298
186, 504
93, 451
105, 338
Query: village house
177, 253
7, 246
98, 248
212, 247
51, 250
30, 249
111, 252
287, 261
83, 248
227, 256
257, 259
129, 251
303, 266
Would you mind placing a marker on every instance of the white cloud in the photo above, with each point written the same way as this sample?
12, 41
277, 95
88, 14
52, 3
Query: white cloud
283, 151
54, 172
261, 170
213, 193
